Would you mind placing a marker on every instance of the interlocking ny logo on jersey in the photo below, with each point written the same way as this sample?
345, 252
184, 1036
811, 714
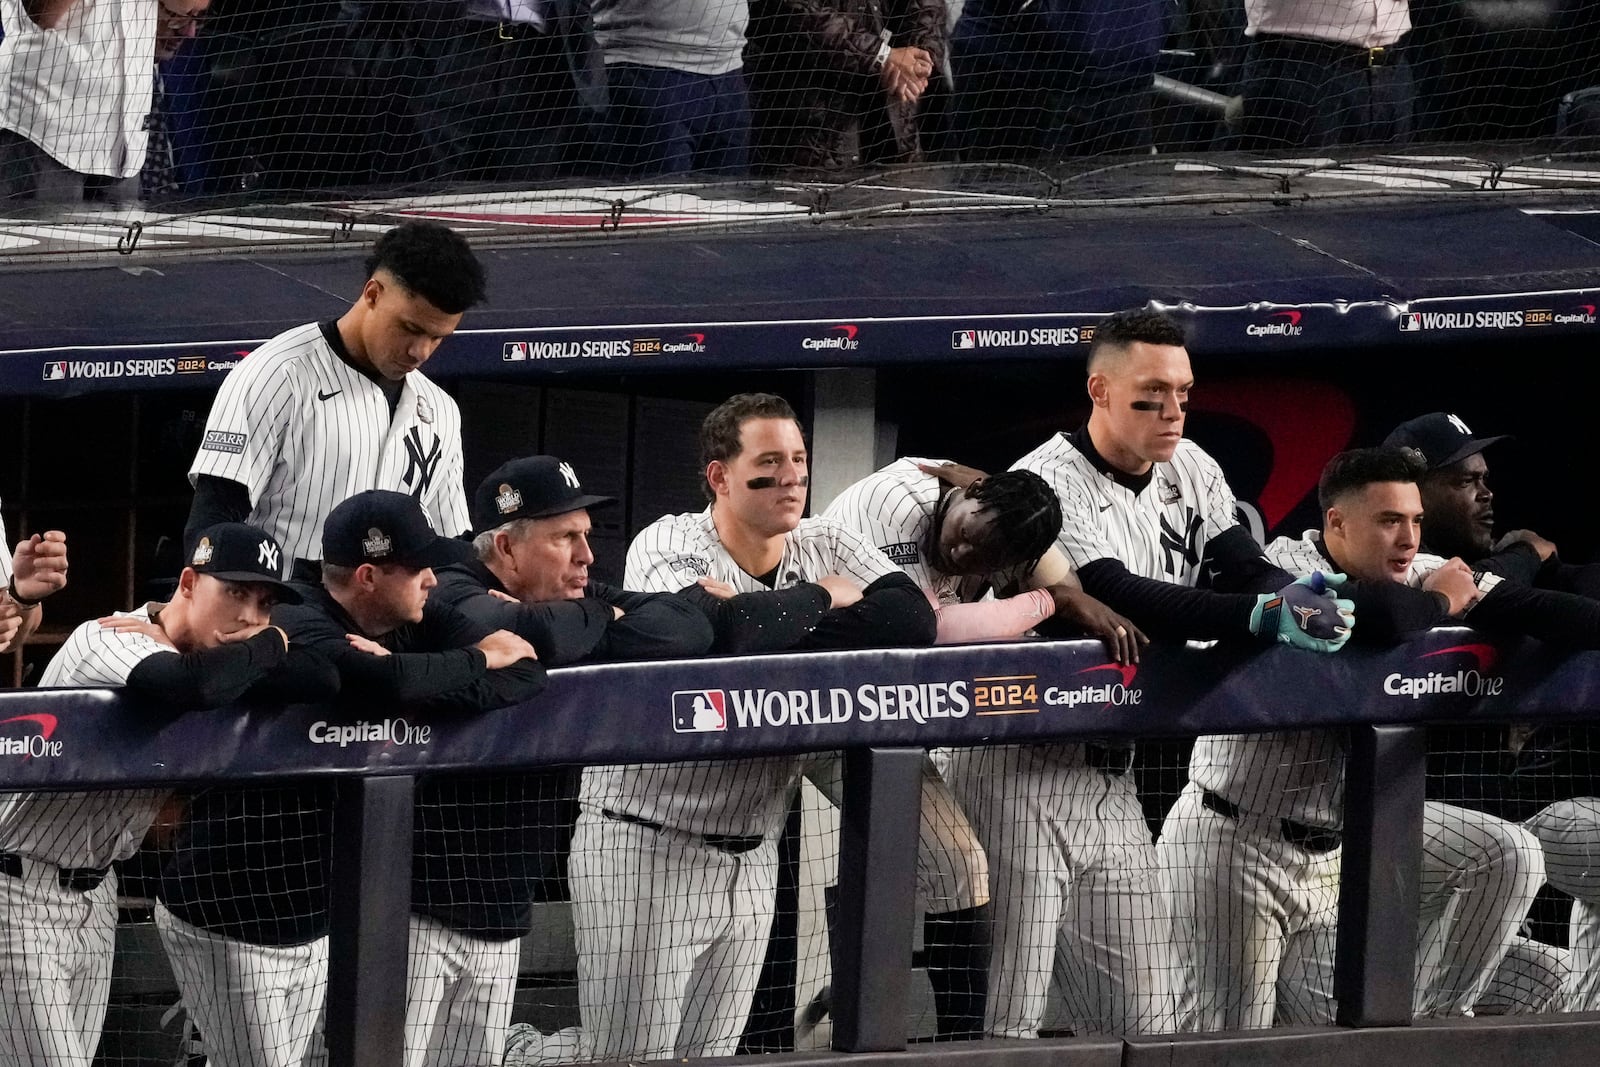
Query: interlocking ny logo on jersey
1182, 547
421, 462
699, 711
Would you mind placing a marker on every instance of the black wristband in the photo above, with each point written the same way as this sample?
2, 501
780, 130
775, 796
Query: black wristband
17, 599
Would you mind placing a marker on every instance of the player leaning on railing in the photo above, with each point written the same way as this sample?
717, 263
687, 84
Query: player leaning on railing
207, 647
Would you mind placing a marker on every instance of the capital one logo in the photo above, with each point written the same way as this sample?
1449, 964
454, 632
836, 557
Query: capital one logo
1101, 691
1472, 681
699, 711
32, 744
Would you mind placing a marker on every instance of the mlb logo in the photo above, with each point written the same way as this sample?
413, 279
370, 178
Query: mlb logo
1411, 322
55, 372
699, 711
961, 340
515, 352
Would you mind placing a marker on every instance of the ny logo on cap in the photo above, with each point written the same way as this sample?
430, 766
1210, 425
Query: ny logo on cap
202, 552
508, 500
569, 475
267, 554
377, 544
1455, 420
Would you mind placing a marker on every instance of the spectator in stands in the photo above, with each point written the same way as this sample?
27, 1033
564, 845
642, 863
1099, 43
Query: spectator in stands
843, 81
177, 24
1054, 78
484, 845
35, 570
1320, 73
493, 90
210, 645
75, 88
245, 897
677, 89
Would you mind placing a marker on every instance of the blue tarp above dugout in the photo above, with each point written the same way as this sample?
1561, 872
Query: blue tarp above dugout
1011, 284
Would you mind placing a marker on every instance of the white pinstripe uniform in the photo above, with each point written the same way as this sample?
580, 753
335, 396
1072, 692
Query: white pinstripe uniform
672, 931
303, 431
56, 942
894, 509
1255, 913
1073, 870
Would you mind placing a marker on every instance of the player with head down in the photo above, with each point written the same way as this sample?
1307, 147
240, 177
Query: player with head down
981, 547
674, 866
326, 410
1151, 528
208, 647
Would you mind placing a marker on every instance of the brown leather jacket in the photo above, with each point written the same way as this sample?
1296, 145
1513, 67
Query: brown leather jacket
827, 105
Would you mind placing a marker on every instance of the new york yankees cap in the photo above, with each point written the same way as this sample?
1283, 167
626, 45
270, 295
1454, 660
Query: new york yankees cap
533, 487
380, 526
239, 552
1441, 437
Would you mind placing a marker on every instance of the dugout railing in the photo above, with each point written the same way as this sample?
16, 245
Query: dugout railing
882, 707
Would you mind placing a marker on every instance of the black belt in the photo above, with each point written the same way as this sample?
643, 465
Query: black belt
1114, 760
1309, 838
77, 879
1332, 54
737, 844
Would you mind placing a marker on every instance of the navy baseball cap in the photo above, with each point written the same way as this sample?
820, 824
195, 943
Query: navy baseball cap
534, 487
380, 526
1442, 439
239, 552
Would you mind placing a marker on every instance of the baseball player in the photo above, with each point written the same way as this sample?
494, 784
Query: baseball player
674, 866
331, 408
35, 570
484, 843
250, 952
957, 539
1547, 760
58, 917
1146, 514
1252, 846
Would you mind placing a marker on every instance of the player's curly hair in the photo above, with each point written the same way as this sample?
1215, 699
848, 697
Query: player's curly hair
1358, 468
1138, 324
719, 433
433, 261
1027, 512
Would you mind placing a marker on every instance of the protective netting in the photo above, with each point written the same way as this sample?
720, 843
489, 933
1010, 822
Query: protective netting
169, 100
1061, 888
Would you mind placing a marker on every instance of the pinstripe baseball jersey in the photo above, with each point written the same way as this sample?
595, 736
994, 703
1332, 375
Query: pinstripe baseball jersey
85, 829
1291, 774
302, 430
894, 509
750, 796
1159, 531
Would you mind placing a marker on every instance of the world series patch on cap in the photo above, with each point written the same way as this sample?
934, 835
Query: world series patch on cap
1441, 437
239, 552
384, 527
533, 487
